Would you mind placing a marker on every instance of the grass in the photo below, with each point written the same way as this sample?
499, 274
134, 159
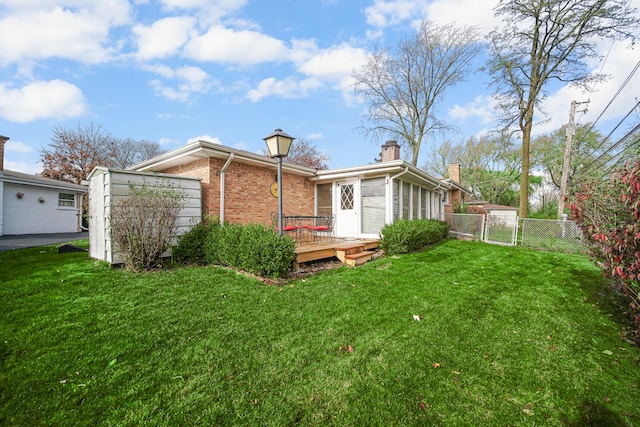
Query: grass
508, 336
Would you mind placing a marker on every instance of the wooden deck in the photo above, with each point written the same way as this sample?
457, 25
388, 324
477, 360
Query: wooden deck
307, 252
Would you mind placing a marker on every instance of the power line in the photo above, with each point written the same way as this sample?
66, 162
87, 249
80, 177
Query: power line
622, 86
635, 129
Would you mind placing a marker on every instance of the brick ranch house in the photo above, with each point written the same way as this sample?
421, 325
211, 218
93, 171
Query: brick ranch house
236, 187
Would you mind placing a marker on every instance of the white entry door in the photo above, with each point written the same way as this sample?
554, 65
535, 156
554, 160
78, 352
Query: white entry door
347, 209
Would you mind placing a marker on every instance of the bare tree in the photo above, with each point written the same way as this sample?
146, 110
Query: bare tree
304, 153
403, 86
73, 153
127, 152
544, 41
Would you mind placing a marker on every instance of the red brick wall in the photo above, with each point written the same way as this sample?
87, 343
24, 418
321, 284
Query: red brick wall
455, 200
248, 196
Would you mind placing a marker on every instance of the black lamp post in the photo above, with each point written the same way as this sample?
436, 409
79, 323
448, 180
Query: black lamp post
278, 144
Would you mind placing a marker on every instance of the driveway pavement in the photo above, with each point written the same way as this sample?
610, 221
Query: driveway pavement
31, 240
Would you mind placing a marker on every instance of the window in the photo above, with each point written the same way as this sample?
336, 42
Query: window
415, 202
424, 204
406, 199
66, 200
324, 202
373, 205
396, 199
347, 197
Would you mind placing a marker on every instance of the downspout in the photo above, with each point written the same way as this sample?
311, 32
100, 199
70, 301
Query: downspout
222, 174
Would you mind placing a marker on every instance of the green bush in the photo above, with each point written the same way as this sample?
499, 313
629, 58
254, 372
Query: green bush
405, 236
144, 223
190, 247
252, 248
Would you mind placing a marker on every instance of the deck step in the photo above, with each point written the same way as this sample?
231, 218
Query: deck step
350, 249
358, 258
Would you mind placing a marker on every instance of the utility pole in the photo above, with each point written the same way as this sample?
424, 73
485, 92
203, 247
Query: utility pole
567, 156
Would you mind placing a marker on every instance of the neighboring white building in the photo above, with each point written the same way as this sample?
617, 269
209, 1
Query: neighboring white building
31, 204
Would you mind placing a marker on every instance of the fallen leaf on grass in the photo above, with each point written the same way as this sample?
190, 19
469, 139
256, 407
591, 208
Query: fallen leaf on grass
436, 365
424, 406
608, 352
347, 348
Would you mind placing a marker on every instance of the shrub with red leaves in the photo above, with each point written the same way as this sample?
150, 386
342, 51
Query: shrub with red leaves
609, 215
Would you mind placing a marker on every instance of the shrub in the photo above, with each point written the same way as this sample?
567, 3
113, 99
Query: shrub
144, 223
609, 216
405, 236
253, 248
190, 247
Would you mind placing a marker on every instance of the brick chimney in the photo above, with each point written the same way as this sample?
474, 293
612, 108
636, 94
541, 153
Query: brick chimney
390, 151
454, 172
3, 140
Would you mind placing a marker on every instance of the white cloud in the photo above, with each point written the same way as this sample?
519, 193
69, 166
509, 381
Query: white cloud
77, 30
224, 6
464, 12
41, 99
164, 37
191, 80
314, 136
17, 147
287, 88
335, 66
385, 13
242, 47
481, 109
335, 63
208, 138
167, 142
24, 167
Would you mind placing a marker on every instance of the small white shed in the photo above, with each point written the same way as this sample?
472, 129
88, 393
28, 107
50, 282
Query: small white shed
106, 186
505, 215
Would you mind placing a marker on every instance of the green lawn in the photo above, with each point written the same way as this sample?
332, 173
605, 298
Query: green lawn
508, 336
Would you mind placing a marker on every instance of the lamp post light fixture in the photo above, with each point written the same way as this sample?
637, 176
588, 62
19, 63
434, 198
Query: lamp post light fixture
278, 144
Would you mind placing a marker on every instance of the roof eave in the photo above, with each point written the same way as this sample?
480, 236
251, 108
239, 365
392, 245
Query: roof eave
204, 149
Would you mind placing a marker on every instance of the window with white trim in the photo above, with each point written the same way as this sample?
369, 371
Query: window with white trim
66, 200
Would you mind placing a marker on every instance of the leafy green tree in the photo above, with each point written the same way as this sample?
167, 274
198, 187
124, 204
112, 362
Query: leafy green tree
489, 166
546, 41
548, 153
404, 86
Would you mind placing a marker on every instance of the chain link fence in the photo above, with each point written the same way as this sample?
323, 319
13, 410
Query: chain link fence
501, 229
465, 226
552, 235
544, 234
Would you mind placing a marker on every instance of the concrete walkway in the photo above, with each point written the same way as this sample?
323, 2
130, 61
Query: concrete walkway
8, 243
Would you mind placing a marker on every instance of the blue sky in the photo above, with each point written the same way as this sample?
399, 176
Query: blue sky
232, 71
